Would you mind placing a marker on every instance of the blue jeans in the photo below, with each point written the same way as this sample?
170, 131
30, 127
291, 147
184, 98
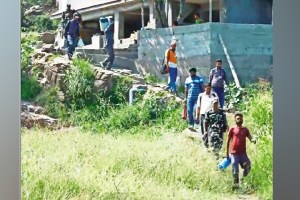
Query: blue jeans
220, 93
172, 81
72, 44
111, 56
191, 103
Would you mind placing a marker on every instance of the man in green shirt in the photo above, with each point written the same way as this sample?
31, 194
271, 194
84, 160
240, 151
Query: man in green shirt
197, 18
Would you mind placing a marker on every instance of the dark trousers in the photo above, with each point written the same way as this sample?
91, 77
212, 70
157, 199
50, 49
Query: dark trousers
108, 62
72, 44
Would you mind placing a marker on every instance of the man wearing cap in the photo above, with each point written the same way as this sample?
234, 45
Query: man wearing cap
217, 78
171, 63
109, 46
215, 126
193, 87
72, 34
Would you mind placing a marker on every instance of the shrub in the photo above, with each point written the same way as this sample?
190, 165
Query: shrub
79, 83
30, 87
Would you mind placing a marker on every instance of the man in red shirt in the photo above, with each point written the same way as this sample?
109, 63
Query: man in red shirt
238, 135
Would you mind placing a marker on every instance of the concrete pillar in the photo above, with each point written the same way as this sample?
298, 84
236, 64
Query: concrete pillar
118, 26
151, 11
142, 16
168, 11
247, 11
210, 10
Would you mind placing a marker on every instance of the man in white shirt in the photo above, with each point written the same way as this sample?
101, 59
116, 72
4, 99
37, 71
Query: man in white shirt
204, 104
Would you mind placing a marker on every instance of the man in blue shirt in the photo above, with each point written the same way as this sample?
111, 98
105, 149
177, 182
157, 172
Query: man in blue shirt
217, 78
109, 46
193, 87
72, 34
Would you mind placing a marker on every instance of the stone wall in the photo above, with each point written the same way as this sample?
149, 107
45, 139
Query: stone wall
249, 47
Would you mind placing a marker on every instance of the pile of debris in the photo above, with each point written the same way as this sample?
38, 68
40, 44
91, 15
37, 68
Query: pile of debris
32, 116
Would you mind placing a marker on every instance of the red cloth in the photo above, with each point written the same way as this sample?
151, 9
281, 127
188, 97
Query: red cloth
238, 135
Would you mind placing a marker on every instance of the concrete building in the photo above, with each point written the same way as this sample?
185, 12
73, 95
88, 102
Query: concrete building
243, 26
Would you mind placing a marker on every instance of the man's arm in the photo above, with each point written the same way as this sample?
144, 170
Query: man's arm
198, 107
78, 30
249, 136
229, 137
210, 76
206, 123
186, 92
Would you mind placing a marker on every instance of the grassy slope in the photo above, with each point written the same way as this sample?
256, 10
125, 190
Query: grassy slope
86, 166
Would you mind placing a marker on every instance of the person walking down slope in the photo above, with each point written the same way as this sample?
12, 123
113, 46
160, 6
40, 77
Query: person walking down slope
171, 63
193, 87
204, 104
237, 137
217, 78
215, 126
109, 46
72, 34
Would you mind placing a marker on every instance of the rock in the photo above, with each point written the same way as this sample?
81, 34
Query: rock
156, 92
32, 116
48, 48
103, 85
48, 38
61, 96
39, 45
38, 110
34, 10
78, 55
30, 120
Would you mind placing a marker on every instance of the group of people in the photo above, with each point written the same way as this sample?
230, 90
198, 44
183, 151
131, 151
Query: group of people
205, 102
71, 20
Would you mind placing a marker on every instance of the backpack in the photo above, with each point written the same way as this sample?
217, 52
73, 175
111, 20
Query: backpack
164, 69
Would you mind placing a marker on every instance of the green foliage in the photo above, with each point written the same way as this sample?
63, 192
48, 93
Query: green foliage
120, 92
30, 87
49, 100
42, 23
79, 83
150, 79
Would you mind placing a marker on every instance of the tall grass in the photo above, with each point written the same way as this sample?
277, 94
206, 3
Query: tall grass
87, 166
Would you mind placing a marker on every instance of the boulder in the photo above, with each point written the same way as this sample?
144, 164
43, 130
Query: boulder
48, 48
48, 37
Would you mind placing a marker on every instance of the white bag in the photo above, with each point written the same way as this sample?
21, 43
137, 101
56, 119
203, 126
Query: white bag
80, 43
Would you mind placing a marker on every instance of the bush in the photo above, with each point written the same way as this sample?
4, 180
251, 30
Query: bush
79, 83
42, 23
30, 87
49, 100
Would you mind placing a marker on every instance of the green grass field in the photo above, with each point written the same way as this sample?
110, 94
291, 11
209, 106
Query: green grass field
75, 165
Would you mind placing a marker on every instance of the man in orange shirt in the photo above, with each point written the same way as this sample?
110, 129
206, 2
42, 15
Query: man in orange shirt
171, 62
238, 135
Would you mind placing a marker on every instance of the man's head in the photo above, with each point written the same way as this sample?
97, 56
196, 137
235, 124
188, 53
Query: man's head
68, 6
218, 63
207, 88
196, 15
215, 104
238, 119
76, 16
173, 45
193, 71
